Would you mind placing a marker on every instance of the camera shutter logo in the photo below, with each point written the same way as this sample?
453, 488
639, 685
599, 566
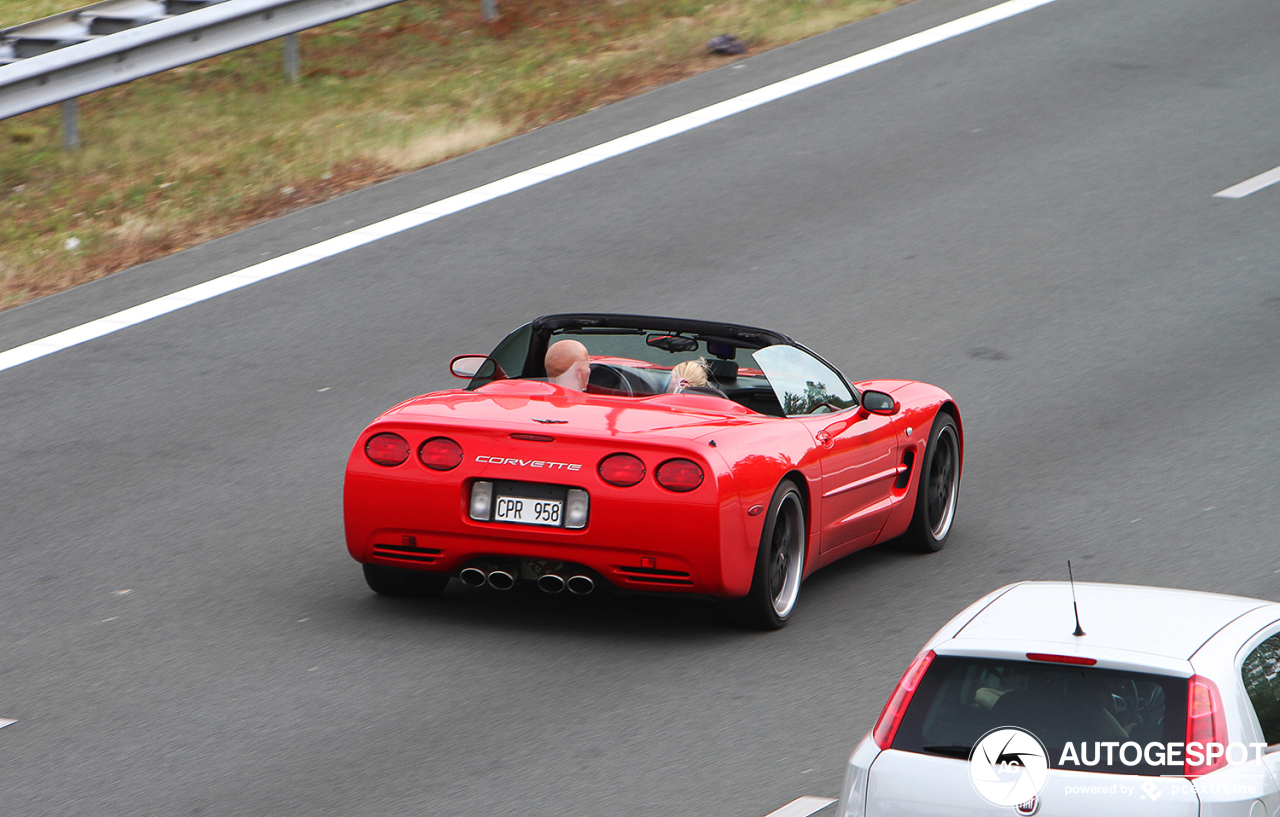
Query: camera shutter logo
1008, 767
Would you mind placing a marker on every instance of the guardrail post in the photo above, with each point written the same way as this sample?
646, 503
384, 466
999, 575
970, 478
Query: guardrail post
70, 125
292, 56
490, 9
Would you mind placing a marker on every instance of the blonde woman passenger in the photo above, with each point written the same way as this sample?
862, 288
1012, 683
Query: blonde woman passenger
687, 374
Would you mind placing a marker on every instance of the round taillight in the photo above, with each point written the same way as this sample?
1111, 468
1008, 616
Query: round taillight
440, 454
387, 449
679, 475
622, 470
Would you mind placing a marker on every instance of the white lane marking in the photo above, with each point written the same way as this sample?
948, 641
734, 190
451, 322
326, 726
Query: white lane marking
1248, 186
502, 187
6, 721
802, 807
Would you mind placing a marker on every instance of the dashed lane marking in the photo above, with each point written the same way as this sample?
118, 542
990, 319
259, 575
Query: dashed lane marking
802, 807
1249, 186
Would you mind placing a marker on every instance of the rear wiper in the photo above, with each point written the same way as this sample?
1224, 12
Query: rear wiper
961, 752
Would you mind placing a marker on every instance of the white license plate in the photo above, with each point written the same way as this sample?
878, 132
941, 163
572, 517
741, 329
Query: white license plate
528, 511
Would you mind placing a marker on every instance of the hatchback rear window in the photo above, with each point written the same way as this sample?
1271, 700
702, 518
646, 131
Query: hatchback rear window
961, 699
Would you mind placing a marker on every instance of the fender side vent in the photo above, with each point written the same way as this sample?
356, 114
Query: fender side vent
904, 478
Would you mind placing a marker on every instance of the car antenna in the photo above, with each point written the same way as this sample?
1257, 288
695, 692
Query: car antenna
1074, 607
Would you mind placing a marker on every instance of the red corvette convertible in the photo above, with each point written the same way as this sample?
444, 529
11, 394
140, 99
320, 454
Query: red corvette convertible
660, 455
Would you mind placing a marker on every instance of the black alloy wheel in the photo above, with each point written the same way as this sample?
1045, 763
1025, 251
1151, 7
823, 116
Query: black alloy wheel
939, 488
775, 586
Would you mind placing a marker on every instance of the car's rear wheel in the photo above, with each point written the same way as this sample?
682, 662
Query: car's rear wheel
775, 585
395, 581
939, 488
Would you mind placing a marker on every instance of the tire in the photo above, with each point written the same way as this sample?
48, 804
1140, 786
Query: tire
938, 491
775, 584
394, 581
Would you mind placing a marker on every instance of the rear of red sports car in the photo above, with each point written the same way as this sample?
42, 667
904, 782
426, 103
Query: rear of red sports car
524, 480
650, 454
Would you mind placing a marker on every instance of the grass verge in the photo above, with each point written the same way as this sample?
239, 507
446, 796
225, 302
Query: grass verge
182, 157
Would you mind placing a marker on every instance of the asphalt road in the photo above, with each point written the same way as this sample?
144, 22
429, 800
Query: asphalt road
1023, 215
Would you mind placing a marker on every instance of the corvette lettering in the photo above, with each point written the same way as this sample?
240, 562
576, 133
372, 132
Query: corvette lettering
562, 466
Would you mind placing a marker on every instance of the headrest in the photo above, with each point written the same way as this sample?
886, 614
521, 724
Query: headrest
722, 370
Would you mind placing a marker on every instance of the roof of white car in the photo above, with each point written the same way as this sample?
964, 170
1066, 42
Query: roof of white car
1151, 620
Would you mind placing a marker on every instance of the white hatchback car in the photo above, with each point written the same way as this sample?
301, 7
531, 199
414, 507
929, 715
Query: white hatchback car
1153, 702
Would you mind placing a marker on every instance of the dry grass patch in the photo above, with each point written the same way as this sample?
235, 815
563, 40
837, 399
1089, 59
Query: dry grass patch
437, 144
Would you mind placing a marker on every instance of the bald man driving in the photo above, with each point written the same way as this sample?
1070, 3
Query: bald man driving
568, 364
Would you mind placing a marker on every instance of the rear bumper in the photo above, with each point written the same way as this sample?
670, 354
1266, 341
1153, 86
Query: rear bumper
624, 568
641, 538
893, 786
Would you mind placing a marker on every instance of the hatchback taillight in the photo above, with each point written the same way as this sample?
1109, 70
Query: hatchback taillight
679, 475
891, 717
622, 470
1206, 726
440, 454
387, 449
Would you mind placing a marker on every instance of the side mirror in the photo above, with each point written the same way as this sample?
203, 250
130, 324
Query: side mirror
472, 366
877, 402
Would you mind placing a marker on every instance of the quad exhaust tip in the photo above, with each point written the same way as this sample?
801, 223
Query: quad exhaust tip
472, 577
501, 580
551, 583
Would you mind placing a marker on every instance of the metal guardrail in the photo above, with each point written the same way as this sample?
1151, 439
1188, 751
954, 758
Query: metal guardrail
70, 27
68, 55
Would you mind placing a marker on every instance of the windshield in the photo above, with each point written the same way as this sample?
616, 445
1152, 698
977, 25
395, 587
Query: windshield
639, 348
961, 699
636, 356
635, 362
629, 362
